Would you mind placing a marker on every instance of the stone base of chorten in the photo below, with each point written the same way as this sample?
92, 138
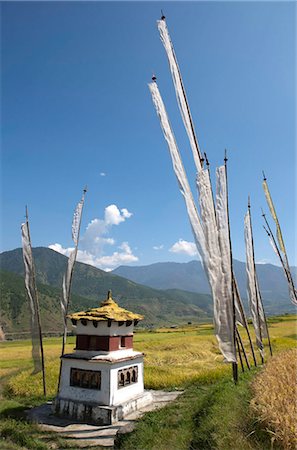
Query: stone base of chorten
93, 413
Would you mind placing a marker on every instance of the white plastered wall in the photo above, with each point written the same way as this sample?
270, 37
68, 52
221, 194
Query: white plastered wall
81, 394
109, 394
122, 394
103, 329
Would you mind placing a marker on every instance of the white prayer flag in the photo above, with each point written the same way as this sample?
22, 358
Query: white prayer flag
180, 92
67, 278
284, 258
32, 296
211, 263
252, 286
226, 296
67, 282
180, 173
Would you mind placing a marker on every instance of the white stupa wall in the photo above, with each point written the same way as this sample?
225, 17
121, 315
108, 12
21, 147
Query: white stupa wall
125, 393
110, 393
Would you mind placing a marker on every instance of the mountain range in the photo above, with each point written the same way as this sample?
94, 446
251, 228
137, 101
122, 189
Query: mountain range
165, 293
89, 288
191, 277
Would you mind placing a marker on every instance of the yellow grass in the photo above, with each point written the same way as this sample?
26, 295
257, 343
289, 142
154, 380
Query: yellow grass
275, 397
174, 358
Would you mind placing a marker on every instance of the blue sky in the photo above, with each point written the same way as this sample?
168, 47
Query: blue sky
76, 111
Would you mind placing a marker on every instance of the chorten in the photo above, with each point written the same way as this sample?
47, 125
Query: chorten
102, 379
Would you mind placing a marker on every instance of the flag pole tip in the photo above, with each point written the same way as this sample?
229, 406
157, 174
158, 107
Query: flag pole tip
264, 178
225, 158
249, 201
154, 78
162, 15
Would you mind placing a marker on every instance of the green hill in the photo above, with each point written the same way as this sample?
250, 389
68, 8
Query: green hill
15, 316
89, 288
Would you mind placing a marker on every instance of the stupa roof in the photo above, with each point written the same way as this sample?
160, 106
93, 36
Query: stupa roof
108, 310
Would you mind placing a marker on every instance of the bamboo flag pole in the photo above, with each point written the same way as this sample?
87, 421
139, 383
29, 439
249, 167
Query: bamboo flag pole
286, 267
67, 280
221, 317
30, 283
189, 126
180, 91
258, 293
242, 347
259, 297
275, 246
234, 370
255, 280
239, 354
265, 320
75, 229
234, 364
246, 324
282, 249
236, 291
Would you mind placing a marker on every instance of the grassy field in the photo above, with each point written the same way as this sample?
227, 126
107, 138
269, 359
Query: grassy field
183, 358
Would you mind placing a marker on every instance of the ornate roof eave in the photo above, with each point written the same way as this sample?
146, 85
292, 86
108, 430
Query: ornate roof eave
109, 310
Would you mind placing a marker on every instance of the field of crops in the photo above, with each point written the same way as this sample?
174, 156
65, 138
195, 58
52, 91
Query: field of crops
174, 359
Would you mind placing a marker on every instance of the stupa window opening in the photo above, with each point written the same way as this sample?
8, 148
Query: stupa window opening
123, 341
127, 376
121, 379
87, 379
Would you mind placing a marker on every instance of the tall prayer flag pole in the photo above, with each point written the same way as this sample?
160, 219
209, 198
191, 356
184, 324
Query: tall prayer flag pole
202, 182
234, 364
280, 248
255, 300
30, 284
211, 265
67, 278
180, 92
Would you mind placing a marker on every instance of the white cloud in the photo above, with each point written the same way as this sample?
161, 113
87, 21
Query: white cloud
188, 248
264, 261
58, 248
158, 247
94, 242
113, 216
124, 256
102, 174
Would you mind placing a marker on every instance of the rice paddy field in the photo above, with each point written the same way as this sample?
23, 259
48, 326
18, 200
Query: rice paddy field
181, 358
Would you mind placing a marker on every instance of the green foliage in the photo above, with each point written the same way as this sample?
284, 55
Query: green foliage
15, 314
21, 433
